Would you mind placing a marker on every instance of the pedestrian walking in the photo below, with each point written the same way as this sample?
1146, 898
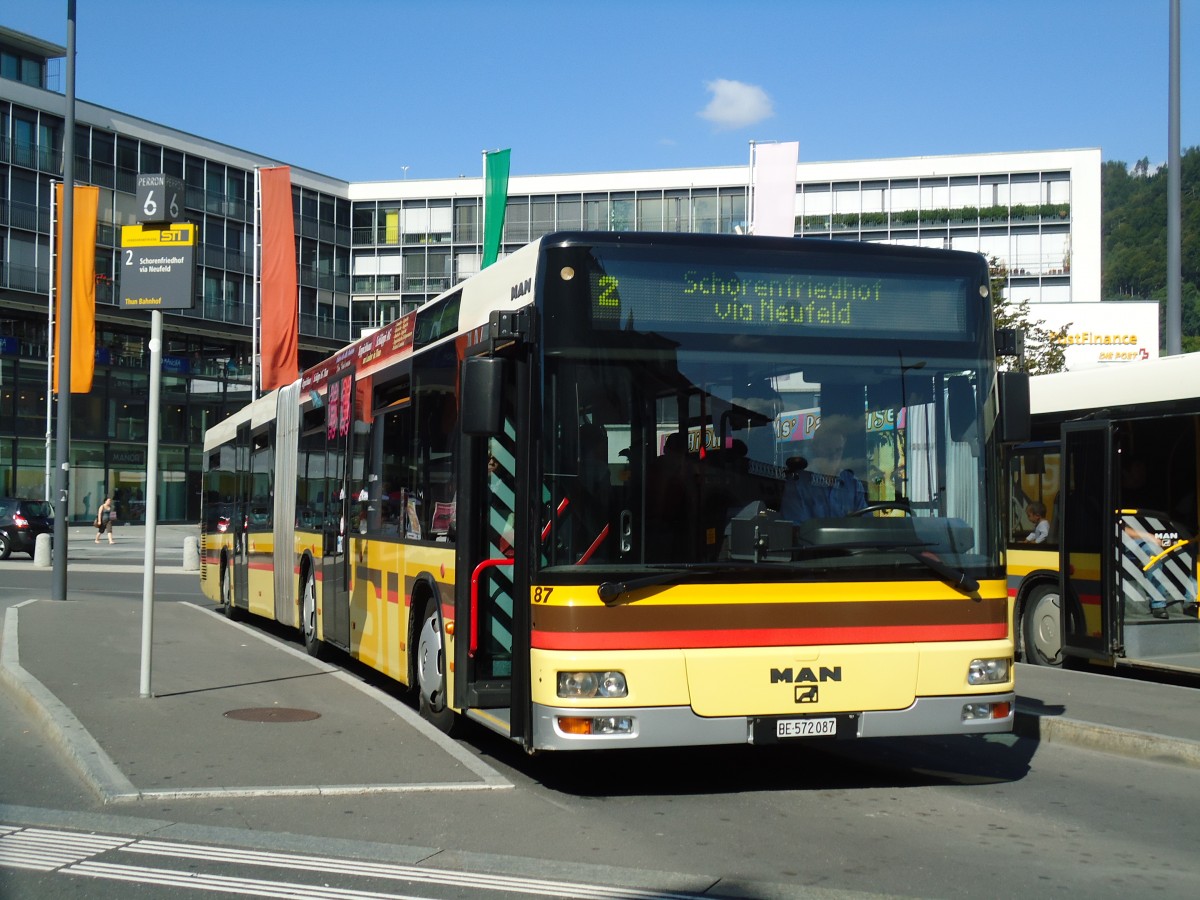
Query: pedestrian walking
104, 519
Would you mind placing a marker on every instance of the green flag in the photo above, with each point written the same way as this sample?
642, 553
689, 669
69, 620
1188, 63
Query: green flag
495, 199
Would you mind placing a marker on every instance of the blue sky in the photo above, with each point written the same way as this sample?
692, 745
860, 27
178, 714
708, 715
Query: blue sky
360, 89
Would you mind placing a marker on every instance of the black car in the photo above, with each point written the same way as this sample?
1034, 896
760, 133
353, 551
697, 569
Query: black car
21, 521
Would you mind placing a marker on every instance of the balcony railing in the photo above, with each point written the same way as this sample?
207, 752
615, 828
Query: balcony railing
967, 216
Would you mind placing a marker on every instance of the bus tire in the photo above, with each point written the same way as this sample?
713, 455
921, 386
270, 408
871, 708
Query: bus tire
308, 617
1041, 626
227, 607
431, 670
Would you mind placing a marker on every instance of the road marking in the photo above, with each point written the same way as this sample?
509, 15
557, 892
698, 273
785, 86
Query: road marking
73, 853
46, 851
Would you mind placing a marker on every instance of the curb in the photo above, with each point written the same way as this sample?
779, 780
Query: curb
1107, 739
95, 766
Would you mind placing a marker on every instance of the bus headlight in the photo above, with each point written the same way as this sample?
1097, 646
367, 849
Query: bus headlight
584, 685
988, 671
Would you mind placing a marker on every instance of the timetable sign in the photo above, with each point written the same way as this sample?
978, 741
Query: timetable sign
159, 198
157, 266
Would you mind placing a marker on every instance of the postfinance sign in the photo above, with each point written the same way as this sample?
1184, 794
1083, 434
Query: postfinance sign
157, 266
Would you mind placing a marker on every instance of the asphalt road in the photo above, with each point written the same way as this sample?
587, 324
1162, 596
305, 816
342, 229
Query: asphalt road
956, 817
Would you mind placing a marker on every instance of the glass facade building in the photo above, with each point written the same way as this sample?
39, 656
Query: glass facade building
369, 251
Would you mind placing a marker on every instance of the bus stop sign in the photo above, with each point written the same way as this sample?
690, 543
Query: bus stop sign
157, 266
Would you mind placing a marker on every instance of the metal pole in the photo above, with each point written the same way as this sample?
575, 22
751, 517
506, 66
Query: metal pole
1174, 179
67, 253
151, 501
51, 357
751, 193
256, 296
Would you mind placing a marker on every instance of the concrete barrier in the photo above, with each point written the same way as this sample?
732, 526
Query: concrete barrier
191, 554
41, 550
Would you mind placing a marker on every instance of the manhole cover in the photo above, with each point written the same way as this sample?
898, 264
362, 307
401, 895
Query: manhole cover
272, 714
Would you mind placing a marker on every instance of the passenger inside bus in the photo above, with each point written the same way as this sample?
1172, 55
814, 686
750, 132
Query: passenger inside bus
1036, 513
671, 501
595, 477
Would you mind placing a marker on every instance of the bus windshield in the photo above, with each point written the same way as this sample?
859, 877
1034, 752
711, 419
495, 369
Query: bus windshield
791, 449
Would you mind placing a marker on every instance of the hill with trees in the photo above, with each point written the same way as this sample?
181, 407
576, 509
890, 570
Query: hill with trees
1134, 238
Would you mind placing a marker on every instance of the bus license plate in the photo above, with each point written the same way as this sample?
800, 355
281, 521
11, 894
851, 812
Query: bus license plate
789, 728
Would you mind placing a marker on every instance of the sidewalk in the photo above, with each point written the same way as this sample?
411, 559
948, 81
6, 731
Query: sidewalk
126, 553
1110, 713
223, 696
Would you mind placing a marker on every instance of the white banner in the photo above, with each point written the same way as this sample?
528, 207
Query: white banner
773, 187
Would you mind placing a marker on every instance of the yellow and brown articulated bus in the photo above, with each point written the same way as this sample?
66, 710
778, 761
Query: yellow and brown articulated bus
644, 490
1113, 468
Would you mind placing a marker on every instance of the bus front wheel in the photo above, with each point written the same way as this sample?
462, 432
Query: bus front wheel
431, 670
1041, 626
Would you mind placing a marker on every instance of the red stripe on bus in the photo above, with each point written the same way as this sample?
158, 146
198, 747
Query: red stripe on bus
688, 640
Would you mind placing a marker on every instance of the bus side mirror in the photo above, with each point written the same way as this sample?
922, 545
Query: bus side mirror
483, 381
1014, 407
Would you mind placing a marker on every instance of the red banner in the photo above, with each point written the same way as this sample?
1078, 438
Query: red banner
279, 333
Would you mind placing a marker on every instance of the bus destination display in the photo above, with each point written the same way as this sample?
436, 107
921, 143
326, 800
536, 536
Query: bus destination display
704, 298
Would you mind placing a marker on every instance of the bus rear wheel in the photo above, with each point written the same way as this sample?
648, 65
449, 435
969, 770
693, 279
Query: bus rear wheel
308, 617
431, 671
1041, 626
227, 606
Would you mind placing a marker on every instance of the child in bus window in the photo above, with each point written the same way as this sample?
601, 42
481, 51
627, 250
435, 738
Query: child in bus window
1036, 511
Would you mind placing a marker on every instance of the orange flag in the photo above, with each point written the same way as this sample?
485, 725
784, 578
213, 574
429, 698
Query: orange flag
280, 333
83, 288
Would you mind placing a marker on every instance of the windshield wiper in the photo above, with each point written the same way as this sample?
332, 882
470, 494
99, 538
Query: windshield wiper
612, 591
956, 578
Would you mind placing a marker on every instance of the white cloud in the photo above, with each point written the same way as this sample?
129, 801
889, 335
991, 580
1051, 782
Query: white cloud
736, 105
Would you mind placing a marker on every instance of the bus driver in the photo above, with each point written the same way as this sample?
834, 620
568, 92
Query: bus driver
823, 487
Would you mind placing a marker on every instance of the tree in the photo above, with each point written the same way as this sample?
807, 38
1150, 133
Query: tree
1045, 348
1134, 235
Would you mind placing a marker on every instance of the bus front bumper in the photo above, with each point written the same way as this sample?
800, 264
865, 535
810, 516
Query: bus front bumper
561, 728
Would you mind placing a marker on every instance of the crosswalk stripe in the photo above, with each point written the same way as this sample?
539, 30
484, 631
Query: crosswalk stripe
73, 852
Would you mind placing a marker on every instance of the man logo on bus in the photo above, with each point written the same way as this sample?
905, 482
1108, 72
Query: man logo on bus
522, 288
806, 675
806, 693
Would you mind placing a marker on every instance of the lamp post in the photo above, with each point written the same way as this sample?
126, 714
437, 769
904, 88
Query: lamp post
62, 508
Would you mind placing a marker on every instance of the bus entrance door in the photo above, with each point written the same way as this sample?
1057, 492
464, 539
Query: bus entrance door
491, 653
240, 521
491, 639
1090, 619
335, 566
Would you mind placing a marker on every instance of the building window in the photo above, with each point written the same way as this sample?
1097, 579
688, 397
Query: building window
541, 216
570, 212
595, 213
649, 211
